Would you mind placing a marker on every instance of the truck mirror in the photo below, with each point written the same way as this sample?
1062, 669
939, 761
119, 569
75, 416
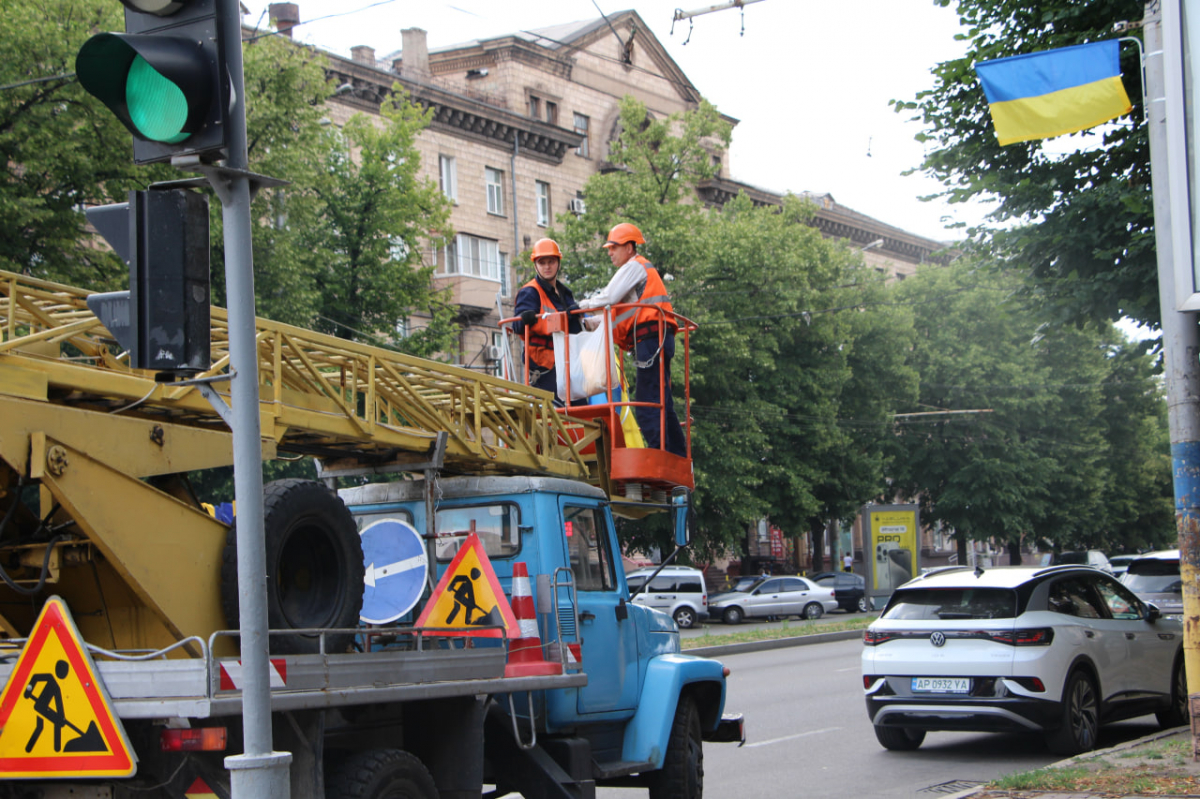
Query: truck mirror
681, 501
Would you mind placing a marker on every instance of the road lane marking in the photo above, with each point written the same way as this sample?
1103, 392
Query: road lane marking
791, 737
853, 668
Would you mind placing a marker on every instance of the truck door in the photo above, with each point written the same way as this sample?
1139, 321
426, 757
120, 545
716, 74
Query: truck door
610, 656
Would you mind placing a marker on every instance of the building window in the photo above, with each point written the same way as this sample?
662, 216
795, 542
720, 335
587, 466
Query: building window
581, 127
535, 106
504, 282
448, 177
552, 112
494, 179
543, 203
475, 257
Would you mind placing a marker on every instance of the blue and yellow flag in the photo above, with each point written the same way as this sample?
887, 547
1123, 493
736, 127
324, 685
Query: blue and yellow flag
1046, 94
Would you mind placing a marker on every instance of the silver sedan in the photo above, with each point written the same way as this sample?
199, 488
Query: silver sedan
773, 597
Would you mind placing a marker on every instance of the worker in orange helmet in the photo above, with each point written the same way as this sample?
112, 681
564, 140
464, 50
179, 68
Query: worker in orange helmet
638, 330
545, 294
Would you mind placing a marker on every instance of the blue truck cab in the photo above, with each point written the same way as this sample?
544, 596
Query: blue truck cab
646, 708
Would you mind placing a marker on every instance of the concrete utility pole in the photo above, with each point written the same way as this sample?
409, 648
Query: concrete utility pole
1180, 335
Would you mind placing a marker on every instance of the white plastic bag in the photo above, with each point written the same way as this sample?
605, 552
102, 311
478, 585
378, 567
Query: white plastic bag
590, 367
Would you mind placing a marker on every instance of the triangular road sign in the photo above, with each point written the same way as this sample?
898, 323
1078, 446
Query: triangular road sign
55, 717
468, 597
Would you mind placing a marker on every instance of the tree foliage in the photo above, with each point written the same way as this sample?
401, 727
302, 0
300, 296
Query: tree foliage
374, 210
61, 149
777, 357
1049, 433
1075, 213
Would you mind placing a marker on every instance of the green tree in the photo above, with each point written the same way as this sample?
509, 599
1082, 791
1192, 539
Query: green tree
1035, 448
373, 212
774, 358
61, 148
1079, 223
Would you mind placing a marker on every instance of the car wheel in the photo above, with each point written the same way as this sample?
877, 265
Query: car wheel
1080, 717
813, 611
862, 604
899, 739
1177, 714
685, 617
732, 616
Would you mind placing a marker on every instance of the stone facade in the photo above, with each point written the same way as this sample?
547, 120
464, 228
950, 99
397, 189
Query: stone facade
532, 114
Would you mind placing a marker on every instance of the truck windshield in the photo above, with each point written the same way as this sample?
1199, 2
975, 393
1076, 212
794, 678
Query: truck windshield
497, 525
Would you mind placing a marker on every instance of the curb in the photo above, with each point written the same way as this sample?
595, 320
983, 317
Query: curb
773, 643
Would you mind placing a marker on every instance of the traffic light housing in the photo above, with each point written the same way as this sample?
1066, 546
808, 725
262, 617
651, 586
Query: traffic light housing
164, 319
165, 78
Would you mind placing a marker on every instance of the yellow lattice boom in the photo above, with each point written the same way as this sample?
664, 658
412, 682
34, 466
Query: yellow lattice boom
319, 395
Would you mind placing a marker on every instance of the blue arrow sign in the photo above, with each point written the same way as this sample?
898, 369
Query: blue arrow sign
396, 567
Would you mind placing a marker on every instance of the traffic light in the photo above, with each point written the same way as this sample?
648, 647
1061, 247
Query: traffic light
164, 78
164, 319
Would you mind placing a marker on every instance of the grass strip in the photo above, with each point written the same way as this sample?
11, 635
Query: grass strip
786, 630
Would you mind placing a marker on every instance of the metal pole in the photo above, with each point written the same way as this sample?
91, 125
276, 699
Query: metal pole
1180, 337
260, 772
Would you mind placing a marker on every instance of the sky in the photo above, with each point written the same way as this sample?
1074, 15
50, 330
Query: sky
809, 81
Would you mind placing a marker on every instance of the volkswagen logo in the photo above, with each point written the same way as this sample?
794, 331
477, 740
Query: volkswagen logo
938, 639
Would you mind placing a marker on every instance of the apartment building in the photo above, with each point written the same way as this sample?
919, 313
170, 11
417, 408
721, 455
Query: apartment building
520, 122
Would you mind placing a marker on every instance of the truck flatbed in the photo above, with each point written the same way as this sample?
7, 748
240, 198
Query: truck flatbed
200, 687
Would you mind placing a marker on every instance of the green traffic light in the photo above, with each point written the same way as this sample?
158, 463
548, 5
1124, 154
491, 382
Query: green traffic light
157, 107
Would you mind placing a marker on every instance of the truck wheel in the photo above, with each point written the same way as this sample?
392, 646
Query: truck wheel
314, 566
380, 774
682, 772
732, 616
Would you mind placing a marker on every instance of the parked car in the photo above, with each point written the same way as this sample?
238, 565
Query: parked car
849, 589
774, 597
1084, 557
1056, 651
677, 590
1155, 578
1120, 563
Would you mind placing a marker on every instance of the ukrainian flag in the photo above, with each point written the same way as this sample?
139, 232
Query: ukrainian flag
1046, 94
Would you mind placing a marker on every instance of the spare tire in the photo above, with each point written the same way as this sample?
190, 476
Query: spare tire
314, 567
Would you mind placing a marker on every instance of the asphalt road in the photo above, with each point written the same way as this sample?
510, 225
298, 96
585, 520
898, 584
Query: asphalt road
808, 736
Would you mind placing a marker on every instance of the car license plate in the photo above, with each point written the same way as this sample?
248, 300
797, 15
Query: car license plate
941, 685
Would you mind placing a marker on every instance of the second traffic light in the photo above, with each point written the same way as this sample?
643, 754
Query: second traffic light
164, 78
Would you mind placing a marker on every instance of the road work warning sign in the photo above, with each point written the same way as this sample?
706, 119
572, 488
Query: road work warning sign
55, 718
468, 599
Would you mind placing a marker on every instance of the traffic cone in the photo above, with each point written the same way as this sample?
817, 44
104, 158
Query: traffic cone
525, 651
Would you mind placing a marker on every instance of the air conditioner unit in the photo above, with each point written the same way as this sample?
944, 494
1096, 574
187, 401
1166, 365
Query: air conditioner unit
576, 205
495, 352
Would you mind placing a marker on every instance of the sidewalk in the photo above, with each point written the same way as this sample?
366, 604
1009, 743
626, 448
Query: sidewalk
1157, 765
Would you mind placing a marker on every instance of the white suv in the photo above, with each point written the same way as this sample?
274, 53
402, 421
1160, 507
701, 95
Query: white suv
1056, 651
677, 590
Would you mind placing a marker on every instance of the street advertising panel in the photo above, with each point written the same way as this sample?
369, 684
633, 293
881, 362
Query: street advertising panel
892, 554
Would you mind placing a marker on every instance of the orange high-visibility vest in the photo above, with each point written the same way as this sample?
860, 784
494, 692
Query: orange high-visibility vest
541, 345
627, 321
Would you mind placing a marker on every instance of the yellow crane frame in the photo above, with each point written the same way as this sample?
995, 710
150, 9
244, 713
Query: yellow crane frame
101, 441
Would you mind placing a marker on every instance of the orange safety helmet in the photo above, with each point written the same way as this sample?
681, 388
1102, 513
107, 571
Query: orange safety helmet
545, 248
624, 233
